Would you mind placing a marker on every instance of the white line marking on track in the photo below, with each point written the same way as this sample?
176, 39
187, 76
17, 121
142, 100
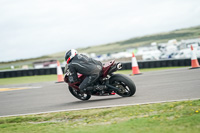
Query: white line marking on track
98, 107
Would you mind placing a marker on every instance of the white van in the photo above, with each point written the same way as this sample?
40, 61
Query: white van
184, 53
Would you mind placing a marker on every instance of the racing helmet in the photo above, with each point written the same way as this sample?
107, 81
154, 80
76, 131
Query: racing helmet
70, 55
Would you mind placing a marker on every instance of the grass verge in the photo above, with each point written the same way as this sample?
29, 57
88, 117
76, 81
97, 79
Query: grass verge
183, 117
147, 70
44, 78
28, 79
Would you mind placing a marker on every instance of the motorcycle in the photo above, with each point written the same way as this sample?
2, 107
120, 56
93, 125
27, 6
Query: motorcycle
107, 84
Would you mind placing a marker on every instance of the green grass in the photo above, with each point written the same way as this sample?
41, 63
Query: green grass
183, 117
44, 78
147, 70
28, 79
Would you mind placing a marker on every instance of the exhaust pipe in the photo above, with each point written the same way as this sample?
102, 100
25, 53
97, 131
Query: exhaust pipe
119, 66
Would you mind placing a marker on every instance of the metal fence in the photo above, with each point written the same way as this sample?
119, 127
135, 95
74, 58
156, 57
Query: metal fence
126, 66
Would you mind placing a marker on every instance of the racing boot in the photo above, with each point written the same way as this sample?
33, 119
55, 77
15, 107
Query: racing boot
89, 88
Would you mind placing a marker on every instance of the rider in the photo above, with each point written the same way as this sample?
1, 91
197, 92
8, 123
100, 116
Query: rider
78, 63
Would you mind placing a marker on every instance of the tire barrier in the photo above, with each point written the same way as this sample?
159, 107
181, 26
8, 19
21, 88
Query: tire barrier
126, 66
159, 63
27, 72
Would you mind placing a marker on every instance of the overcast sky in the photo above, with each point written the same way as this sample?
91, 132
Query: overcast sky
32, 28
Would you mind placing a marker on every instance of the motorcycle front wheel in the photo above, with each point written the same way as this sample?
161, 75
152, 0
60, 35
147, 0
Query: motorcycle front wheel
125, 85
78, 95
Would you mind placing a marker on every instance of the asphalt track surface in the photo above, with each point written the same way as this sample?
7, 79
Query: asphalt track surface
165, 85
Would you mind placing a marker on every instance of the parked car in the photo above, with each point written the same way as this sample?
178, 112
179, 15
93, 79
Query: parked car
184, 53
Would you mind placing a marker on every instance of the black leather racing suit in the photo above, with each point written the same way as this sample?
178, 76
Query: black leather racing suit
87, 66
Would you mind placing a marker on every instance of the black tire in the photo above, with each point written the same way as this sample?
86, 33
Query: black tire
126, 86
77, 94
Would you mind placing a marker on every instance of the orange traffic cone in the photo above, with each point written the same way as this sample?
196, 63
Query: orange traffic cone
194, 61
59, 73
135, 68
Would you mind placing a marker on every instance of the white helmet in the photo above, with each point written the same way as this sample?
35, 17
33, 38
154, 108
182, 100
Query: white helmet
70, 55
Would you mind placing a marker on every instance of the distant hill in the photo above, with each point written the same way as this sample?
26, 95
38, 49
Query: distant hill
179, 34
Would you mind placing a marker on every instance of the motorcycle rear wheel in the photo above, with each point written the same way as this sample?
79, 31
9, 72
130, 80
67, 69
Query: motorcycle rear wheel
126, 86
78, 95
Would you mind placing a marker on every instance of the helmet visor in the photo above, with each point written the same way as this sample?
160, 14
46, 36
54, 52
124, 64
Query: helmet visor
68, 54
